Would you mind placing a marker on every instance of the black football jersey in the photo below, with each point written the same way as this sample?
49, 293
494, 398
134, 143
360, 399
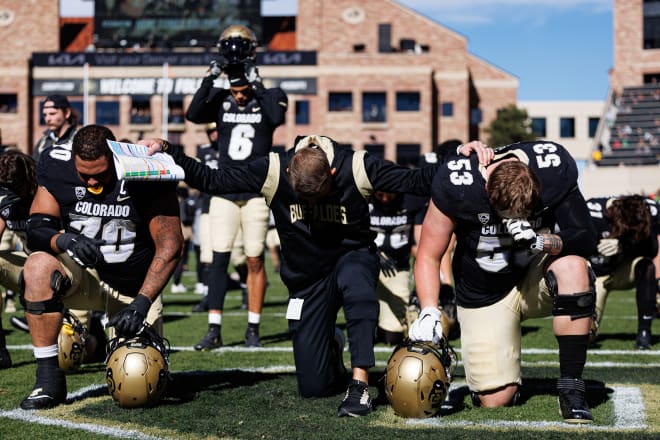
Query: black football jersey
603, 265
313, 237
116, 216
244, 133
394, 222
486, 263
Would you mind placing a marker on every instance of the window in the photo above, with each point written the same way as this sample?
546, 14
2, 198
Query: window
447, 109
8, 103
593, 126
407, 101
407, 154
141, 110
377, 150
475, 116
107, 112
340, 101
373, 107
302, 112
175, 110
538, 127
567, 127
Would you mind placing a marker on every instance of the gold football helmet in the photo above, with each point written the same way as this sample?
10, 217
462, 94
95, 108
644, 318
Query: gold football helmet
137, 369
71, 343
418, 377
238, 43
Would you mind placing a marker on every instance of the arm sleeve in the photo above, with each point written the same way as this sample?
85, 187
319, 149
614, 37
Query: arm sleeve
274, 102
227, 179
386, 176
577, 232
205, 105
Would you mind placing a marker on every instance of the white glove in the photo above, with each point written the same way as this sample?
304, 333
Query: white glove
523, 233
609, 247
427, 327
251, 72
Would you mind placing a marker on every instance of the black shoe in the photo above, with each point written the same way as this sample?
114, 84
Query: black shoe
211, 340
357, 402
252, 337
643, 341
5, 359
202, 305
47, 393
20, 323
572, 404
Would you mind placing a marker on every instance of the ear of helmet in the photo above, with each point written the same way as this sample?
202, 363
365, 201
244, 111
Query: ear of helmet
71, 343
137, 369
418, 376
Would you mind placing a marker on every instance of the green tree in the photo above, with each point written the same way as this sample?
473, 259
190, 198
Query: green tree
511, 125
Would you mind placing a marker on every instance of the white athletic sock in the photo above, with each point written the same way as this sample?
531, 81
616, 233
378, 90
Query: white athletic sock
215, 318
254, 318
45, 352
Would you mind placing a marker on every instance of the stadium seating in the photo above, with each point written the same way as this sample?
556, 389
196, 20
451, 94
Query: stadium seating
635, 133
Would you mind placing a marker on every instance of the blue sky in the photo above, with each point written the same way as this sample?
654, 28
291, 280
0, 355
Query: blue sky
558, 49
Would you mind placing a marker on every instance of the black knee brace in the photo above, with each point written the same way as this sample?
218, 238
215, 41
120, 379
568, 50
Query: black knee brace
60, 283
577, 305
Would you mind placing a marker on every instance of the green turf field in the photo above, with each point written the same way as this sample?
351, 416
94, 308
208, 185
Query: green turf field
241, 393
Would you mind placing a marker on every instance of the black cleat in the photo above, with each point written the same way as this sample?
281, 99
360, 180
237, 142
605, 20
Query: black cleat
47, 393
5, 359
20, 323
252, 337
572, 404
211, 340
643, 341
357, 402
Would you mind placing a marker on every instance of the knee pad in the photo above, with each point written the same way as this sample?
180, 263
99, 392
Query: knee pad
59, 283
577, 305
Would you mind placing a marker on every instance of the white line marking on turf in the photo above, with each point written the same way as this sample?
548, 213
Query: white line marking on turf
31, 417
629, 414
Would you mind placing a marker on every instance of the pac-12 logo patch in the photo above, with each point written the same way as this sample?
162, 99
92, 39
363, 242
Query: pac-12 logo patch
80, 192
483, 217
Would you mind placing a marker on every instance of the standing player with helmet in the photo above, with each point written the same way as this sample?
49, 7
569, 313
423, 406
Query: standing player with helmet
511, 265
247, 114
120, 245
318, 195
628, 229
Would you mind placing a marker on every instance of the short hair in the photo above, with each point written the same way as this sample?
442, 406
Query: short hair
309, 173
89, 143
513, 188
18, 172
630, 219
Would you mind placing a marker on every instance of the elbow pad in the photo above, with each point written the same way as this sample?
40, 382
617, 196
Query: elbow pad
40, 230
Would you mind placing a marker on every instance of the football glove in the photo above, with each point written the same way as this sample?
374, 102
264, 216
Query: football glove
387, 265
130, 320
8, 203
251, 72
217, 67
83, 250
427, 327
608, 247
523, 234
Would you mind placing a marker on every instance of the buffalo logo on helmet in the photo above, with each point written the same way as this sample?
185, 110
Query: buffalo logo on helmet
417, 378
71, 343
137, 369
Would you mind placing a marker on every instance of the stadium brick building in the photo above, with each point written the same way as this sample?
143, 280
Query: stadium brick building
373, 75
